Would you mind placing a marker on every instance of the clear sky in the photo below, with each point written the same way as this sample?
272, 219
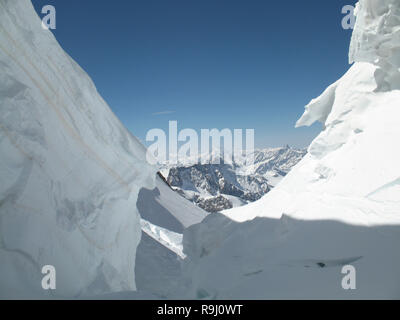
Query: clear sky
208, 63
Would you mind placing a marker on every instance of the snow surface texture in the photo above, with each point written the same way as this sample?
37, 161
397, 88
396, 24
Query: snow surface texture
215, 187
376, 39
70, 172
162, 206
165, 216
340, 205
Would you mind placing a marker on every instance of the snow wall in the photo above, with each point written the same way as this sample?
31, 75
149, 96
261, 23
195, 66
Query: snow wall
70, 172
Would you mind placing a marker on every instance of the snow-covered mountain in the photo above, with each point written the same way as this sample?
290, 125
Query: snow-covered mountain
215, 187
70, 172
339, 206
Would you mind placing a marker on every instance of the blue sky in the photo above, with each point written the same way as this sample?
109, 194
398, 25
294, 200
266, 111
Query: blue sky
209, 63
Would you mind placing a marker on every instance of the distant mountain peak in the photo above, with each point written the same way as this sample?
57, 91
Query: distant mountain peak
216, 187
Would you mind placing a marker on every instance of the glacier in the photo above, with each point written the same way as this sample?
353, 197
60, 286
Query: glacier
70, 172
339, 205
76, 191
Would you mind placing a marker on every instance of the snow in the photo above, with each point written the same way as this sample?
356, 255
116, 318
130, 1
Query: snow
289, 259
157, 269
70, 172
215, 187
359, 136
74, 182
164, 207
171, 240
165, 216
376, 39
340, 205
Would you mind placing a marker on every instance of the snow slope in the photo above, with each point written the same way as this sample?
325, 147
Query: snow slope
165, 216
70, 172
340, 205
162, 206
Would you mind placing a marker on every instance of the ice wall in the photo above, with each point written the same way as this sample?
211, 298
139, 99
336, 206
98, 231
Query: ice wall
376, 39
70, 172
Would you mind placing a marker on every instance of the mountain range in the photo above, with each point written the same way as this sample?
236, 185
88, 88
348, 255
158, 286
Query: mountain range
216, 187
